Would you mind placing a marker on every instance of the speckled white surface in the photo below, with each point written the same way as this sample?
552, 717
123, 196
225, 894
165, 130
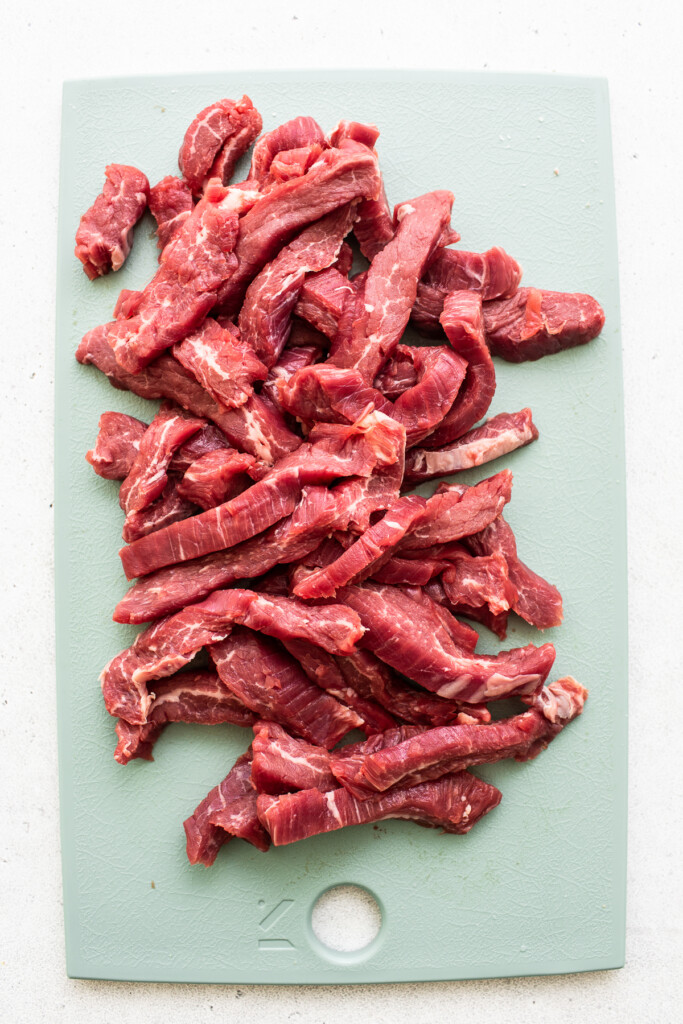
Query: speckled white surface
635, 45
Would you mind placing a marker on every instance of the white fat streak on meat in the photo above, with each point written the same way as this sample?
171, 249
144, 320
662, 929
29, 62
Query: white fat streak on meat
330, 800
496, 685
476, 453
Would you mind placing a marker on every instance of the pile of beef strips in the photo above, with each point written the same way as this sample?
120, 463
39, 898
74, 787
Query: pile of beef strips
267, 523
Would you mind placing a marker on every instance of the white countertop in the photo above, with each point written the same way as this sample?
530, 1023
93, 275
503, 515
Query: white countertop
636, 47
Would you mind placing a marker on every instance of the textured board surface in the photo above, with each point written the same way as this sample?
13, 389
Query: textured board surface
538, 886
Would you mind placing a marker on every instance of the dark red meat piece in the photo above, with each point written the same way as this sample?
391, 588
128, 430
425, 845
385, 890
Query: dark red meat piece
148, 475
265, 317
224, 364
295, 134
217, 477
391, 284
478, 580
233, 803
169, 507
453, 748
292, 163
398, 374
198, 697
537, 601
117, 444
291, 360
322, 299
254, 427
413, 640
498, 436
481, 613
491, 274
105, 231
534, 323
456, 511
209, 439
454, 803
265, 678
170, 203
168, 590
219, 135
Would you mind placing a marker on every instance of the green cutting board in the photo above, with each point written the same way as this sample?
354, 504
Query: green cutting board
538, 886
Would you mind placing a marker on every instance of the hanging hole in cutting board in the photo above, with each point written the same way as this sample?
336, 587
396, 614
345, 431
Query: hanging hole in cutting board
346, 918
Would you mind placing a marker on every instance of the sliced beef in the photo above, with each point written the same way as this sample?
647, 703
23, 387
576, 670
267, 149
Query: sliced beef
390, 286
454, 803
323, 670
367, 554
218, 136
170, 507
148, 474
398, 373
537, 601
117, 445
422, 407
322, 299
217, 477
168, 590
233, 803
498, 436
270, 682
298, 133
198, 697
225, 364
456, 511
479, 580
170, 203
478, 613
265, 317
491, 274
534, 323
171, 643
413, 640
254, 427
462, 321
453, 748
105, 231
342, 452
289, 361
291, 163
337, 178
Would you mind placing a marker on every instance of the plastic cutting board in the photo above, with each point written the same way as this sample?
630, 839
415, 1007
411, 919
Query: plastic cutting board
538, 886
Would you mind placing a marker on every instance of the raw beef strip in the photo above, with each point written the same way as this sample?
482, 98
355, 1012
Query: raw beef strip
225, 365
391, 284
452, 748
291, 360
171, 643
496, 623
270, 682
291, 163
148, 475
170, 203
344, 260
254, 427
422, 407
105, 231
367, 134
411, 572
479, 580
198, 697
209, 439
534, 323
375, 224
463, 323
193, 267
345, 451
462, 635
233, 803
295, 134
265, 317
168, 590
337, 178
219, 135
322, 298
413, 640
322, 669
498, 436
454, 803
372, 678
537, 601
330, 394
169, 507
127, 303
283, 763
117, 444
398, 374
368, 553
492, 274
456, 511
216, 477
